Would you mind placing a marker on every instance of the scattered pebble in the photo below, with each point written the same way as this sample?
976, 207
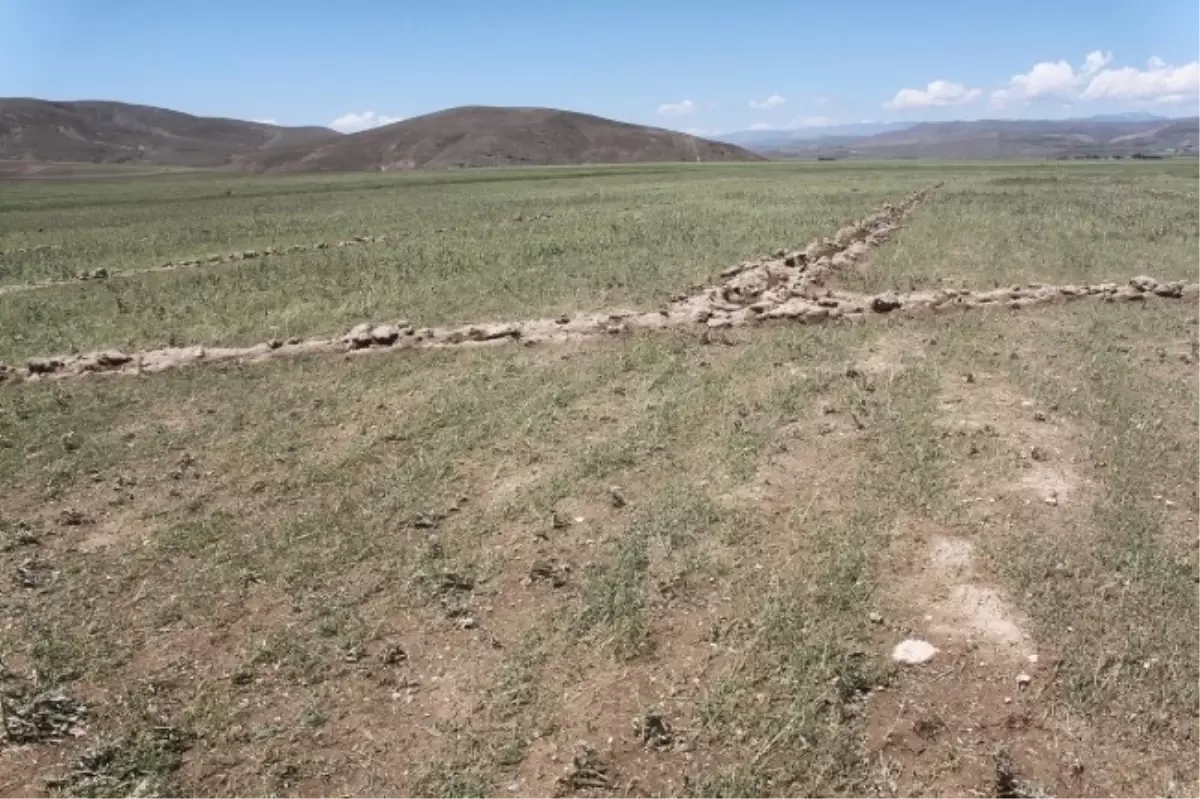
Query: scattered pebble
1024, 679
913, 652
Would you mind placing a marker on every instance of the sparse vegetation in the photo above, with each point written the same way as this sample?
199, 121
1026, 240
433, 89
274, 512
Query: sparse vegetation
655, 563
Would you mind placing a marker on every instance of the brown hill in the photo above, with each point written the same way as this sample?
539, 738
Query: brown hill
490, 136
106, 132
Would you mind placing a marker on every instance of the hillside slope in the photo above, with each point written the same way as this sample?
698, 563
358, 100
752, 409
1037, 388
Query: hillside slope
108, 132
989, 138
492, 136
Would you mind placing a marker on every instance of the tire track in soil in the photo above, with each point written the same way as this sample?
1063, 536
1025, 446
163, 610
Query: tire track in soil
988, 710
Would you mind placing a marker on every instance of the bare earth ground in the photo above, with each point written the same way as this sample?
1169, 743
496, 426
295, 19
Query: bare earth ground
662, 562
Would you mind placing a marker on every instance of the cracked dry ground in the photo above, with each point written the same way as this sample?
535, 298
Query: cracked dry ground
672, 561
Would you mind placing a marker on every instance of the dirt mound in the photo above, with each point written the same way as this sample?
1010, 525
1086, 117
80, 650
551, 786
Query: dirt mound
106, 132
490, 136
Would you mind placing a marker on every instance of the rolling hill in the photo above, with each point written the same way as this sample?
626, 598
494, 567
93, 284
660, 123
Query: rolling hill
494, 136
1025, 138
101, 132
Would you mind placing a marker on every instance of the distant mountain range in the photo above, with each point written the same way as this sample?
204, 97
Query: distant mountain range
1105, 135
35, 133
767, 139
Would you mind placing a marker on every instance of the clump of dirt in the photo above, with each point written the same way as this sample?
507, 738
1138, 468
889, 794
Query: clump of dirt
139, 765
587, 771
33, 713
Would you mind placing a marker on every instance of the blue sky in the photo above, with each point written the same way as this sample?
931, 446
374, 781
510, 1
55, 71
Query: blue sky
699, 65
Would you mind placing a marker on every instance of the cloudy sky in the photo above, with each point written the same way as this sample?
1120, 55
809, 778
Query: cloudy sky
706, 67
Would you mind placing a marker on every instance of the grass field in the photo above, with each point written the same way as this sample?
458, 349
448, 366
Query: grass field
462, 246
655, 564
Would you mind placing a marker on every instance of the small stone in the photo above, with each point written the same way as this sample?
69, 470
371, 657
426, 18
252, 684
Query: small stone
913, 651
562, 320
467, 623
1172, 289
1144, 283
293, 340
70, 441
1033, 658
876, 618
885, 303
616, 496
1038, 454
111, 359
1023, 679
274, 344
1039, 416
1051, 499
385, 335
393, 655
44, 366
359, 336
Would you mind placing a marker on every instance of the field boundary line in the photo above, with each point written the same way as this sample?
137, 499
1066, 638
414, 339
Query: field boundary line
217, 259
788, 287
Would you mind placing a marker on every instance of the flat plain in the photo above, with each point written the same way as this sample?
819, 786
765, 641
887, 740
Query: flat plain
659, 562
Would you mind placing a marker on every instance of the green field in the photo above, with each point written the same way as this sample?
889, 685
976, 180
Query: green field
442, 572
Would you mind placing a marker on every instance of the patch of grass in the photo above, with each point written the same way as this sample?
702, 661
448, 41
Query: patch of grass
141, 765
616, 595
1051, 225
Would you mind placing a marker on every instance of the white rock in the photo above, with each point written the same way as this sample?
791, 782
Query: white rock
913, 651
1024, 679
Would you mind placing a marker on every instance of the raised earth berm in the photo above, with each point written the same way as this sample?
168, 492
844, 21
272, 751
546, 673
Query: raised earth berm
789, 287
235, 256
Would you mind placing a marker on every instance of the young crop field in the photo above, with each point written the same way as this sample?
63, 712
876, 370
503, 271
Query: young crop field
608, 481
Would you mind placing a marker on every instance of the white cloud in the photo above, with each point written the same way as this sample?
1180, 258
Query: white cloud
822, 102
795, 122
1060, 82
1096, 60
703, 132
1049, 80
684, 108
773, 101
354, 122
1159, 82
811, 122
938, 94
267, 121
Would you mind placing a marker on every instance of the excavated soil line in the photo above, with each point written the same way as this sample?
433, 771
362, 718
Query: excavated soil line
187, 263
744, 293
367, 338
